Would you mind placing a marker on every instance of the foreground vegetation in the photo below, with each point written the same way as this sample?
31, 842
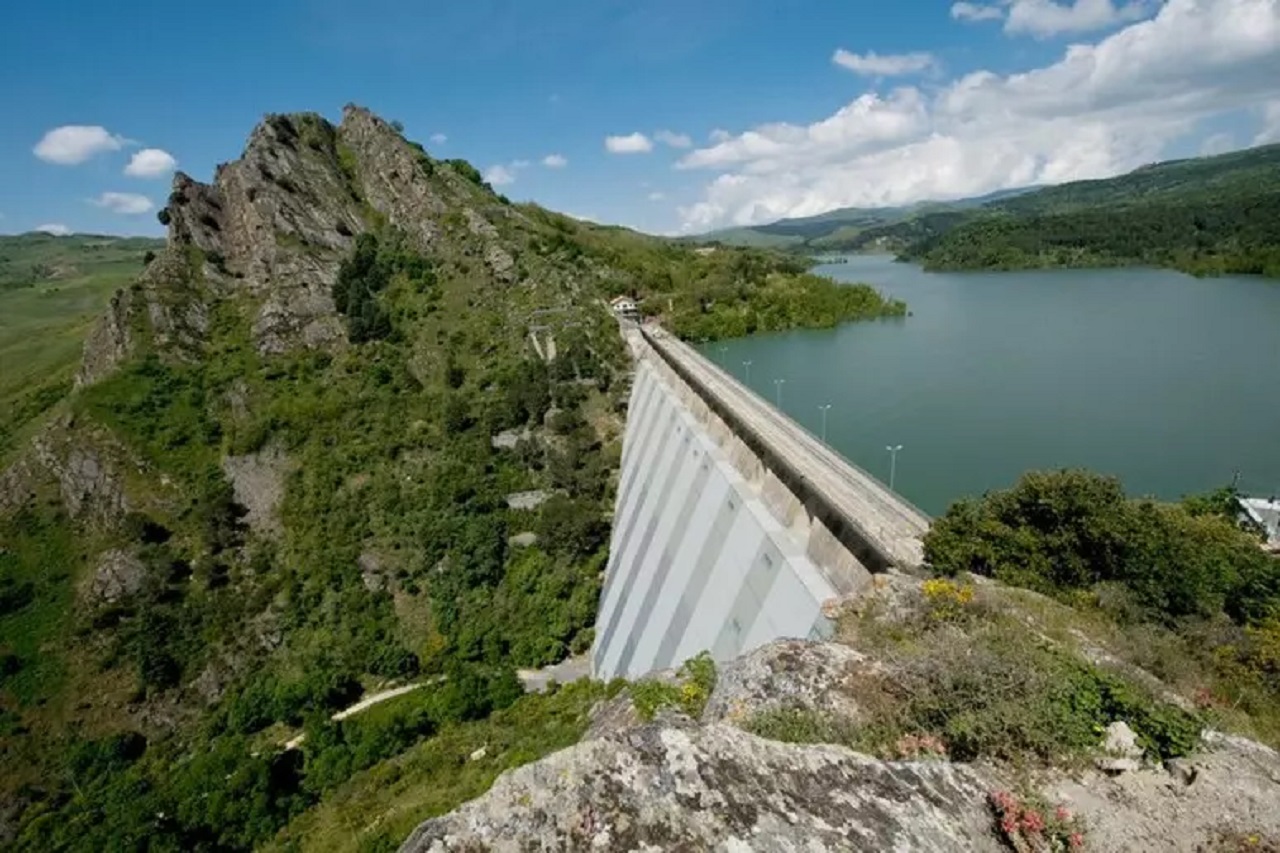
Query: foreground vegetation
160, 644
1181, 590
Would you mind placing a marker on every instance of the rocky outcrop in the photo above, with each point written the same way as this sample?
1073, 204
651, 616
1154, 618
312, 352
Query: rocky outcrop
118, 575
787, 675
91, 484
675, 785
258, 482
1230, 787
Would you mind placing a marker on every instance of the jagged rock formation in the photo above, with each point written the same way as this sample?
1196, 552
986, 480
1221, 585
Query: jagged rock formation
274, 226
675, 785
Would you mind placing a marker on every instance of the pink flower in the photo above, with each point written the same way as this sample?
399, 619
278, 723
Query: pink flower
1062, 814
1076, 840
1004, 800
1033, 821
1009, 825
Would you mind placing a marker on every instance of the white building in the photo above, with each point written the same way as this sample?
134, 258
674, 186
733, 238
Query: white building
1266, 513
625, 307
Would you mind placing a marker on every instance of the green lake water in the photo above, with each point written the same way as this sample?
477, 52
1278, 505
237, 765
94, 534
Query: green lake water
1167, 381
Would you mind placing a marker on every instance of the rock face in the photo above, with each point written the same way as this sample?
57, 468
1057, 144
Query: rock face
675, 785
258, 482
91, 484
787, 675
119, 574
1231, 786
275, 225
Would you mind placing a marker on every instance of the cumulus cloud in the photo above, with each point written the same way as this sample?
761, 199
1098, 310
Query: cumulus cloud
1218, 143
975, 12
675, 140
555, 161
1270, 130
57, 229
129, 204
500, 175
150, 163
632, 143
1101, 109
873, 64
73, 144
438, 139
1047, 18
657, 196
719, 135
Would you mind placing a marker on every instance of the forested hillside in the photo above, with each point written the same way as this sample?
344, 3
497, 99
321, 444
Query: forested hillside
1207, 216
356, 423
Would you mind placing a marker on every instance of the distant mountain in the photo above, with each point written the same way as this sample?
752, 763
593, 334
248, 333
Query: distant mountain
831, 230
1208, 215
1205, 215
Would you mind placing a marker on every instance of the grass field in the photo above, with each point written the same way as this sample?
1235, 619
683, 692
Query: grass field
51, 290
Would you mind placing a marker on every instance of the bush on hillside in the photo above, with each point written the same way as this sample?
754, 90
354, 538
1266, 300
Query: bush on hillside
1070, 530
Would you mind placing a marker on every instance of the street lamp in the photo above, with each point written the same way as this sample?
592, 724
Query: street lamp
777, 392
824, 409
723, 349
893, 462
747, 365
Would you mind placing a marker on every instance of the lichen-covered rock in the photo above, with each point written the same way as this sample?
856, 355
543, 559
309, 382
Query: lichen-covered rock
674, 785
118, 575
790, 675
1231, 786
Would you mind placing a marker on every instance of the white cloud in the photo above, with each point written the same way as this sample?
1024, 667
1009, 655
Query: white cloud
129, 204
72, 144
719, 135
675, 140
1218, 143
150, 163
500, 175
975, 12
57, 229
1047, 18
1270, 130
886, 65
438, 139
632, 143
555, 161
1101, 109
656, 196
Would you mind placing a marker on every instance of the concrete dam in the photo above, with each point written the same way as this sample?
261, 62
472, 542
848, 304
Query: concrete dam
734, 525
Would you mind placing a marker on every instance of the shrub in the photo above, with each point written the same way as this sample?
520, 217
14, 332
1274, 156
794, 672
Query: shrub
1068, 530
695, 680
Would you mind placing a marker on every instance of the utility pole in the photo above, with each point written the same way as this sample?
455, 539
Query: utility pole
747, 365
777, 392
723, 349
824, 409
893, 462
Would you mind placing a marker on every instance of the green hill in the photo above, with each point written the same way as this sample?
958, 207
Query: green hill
1209, 215
283, 478
51, 288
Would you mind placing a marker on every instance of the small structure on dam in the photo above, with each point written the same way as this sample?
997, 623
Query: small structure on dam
734, 525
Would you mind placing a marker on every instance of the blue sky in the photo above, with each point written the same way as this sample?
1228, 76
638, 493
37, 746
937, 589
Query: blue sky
816, 104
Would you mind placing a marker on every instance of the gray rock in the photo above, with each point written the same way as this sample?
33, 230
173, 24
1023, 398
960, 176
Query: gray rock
674, 785
527, 539
1232, 784
528, 500
371, 574
89, 480
258, 482
790, 674
118, 575
1122, 741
